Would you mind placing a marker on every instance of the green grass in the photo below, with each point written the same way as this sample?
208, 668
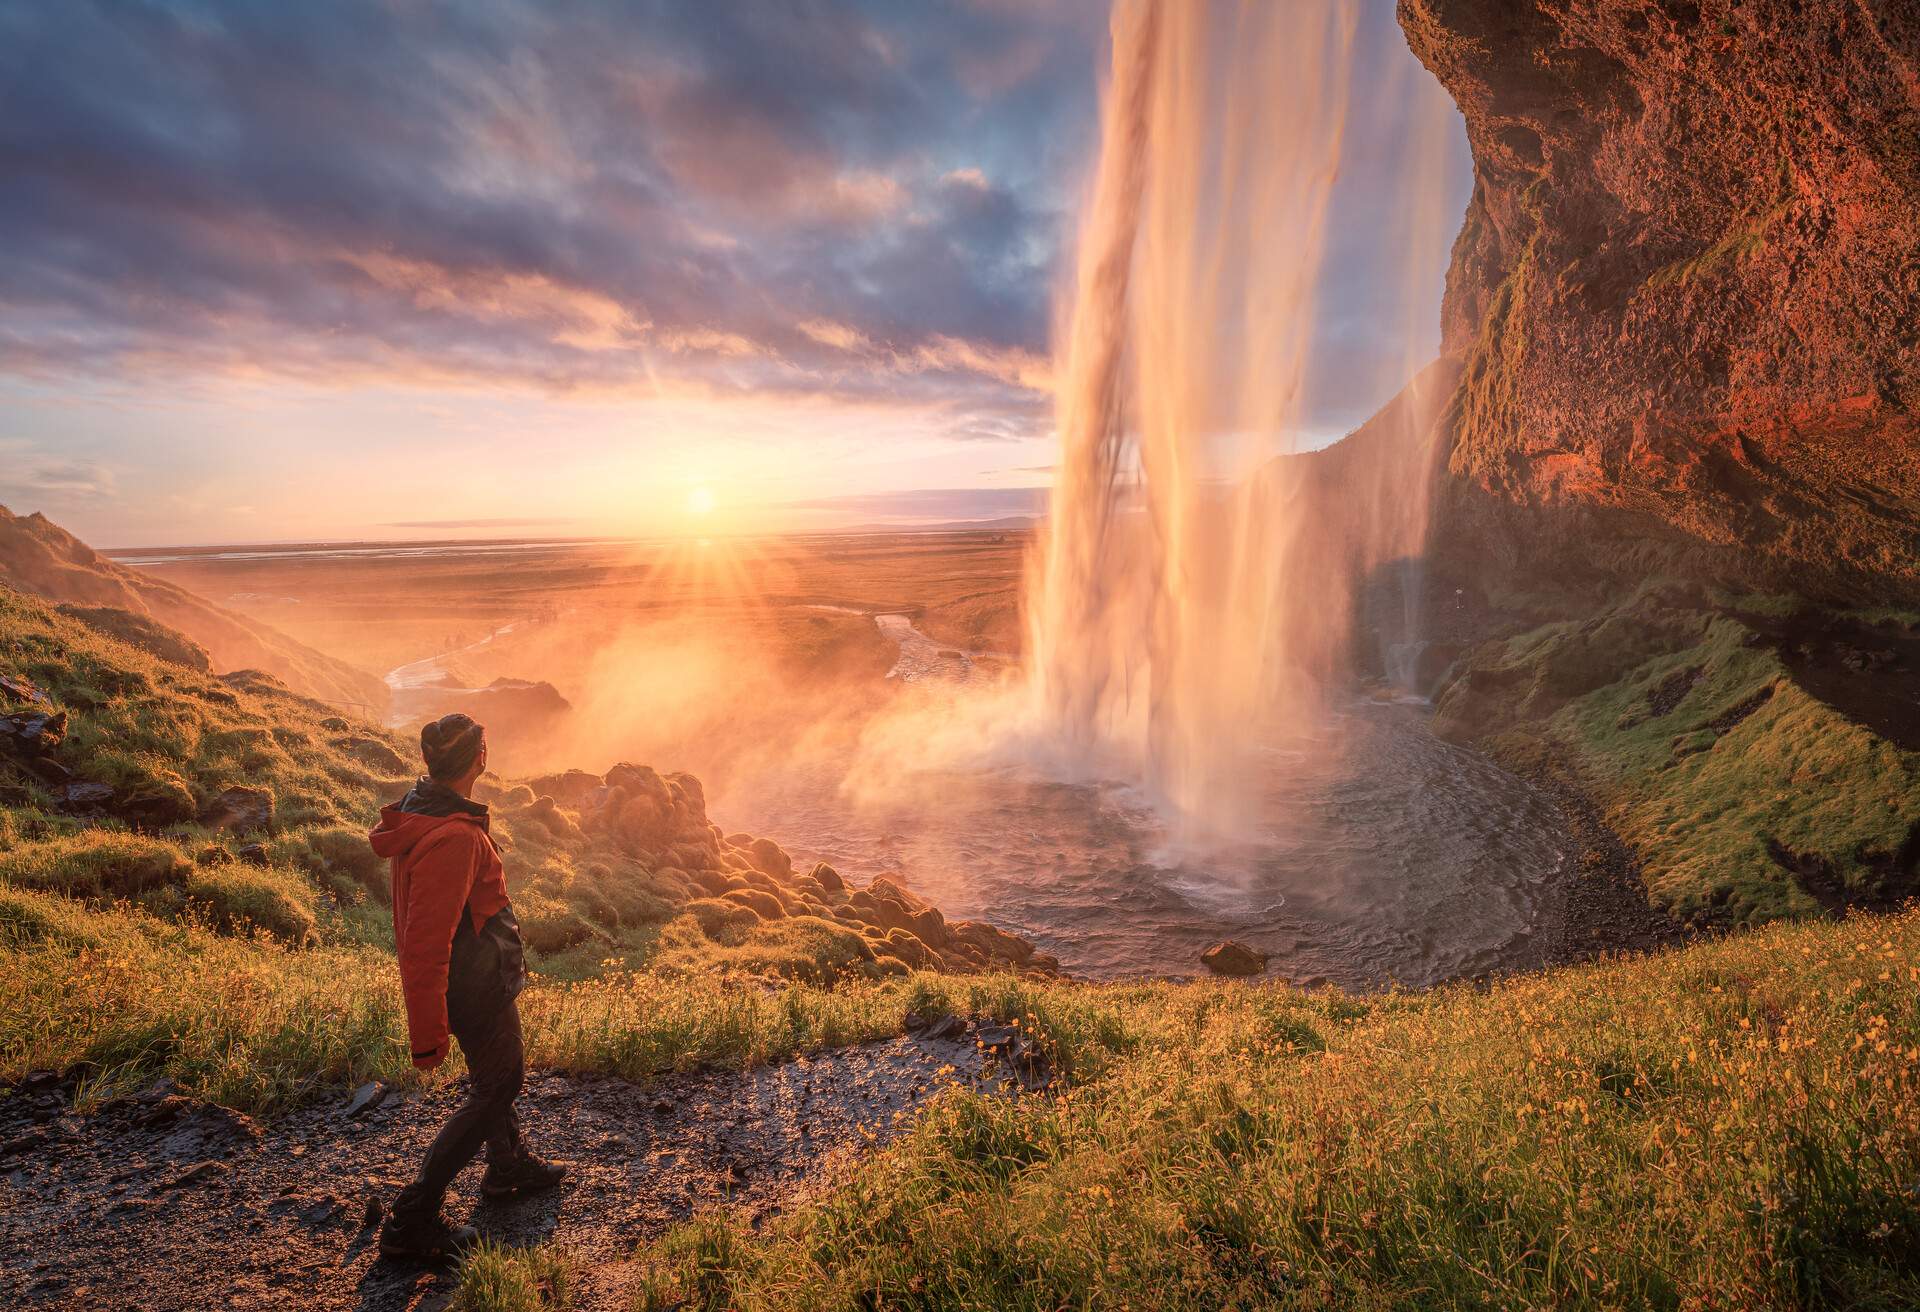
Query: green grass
1707, 803
1702, 806
1733, 1125
257, 1023
496, 1279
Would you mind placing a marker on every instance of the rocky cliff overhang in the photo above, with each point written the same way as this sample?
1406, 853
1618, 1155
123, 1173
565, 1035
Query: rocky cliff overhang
1686, 295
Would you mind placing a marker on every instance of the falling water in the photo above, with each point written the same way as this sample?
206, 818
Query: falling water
1191, 602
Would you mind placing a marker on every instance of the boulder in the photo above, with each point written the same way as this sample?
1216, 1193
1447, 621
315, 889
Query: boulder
573, 788
242, 810
33, 733
763, 904
890, 905
991, 941
374, 753
85, 797
19, 688
1228, 957
828, 878
902, 945
769, 858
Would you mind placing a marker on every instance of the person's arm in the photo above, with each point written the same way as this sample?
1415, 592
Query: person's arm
437, 892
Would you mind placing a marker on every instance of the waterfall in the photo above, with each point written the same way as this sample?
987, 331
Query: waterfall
1190, 600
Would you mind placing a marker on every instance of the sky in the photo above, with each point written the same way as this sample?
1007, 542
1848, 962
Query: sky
399, 269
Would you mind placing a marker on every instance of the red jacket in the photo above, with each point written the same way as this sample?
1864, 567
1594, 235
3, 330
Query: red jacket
441, 863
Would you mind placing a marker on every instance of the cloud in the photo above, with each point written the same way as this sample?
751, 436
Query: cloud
57, 483
924, 504
653, 198
851, 200
478, 523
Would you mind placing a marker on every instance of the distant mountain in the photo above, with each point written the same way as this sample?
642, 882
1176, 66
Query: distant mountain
40, 557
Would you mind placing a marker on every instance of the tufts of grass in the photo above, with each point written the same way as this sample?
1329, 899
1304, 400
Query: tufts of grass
249, 1022
1729, 1125
497, 1279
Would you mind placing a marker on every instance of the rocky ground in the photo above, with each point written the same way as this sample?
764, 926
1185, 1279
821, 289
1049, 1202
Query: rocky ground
159, 1201
1601, 905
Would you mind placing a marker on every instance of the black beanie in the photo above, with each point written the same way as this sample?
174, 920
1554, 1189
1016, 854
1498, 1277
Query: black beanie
450, 745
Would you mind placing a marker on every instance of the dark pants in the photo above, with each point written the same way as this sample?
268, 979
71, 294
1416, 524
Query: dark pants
497, 1064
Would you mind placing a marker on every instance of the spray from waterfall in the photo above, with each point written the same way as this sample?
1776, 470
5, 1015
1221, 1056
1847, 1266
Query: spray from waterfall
1191, 600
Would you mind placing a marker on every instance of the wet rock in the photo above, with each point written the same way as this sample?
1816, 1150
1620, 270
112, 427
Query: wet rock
239, 809
947, 1027
997, 1038
40, 1081
19, 688
1228, 957
85, 796
33, 733
24, 1145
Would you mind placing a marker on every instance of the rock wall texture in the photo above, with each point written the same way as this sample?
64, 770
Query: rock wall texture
1686, 295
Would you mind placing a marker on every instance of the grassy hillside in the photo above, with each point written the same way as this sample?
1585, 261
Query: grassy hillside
185, 889
1756, 757
167, 824
1732, 1125
40, 557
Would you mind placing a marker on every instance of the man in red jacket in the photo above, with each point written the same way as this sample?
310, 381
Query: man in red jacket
461, 967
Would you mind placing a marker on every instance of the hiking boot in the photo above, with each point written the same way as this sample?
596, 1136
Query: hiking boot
525, 1175
429, 1239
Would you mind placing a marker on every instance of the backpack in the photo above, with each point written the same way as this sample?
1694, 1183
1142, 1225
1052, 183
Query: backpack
487, 970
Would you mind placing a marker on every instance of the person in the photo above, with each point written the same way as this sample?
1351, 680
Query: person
461, 967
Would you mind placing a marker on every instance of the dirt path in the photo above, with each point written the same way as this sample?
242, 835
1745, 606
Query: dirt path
159, 1202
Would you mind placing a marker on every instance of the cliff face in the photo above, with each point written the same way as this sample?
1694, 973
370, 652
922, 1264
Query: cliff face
1686, 295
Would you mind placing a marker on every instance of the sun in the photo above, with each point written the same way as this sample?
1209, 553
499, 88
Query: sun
700, 500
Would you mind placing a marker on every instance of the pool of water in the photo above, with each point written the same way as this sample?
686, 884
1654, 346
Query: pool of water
1382, 854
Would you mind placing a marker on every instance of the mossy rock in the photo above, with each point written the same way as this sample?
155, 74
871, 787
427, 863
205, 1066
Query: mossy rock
721, 921
237, 898
763, 904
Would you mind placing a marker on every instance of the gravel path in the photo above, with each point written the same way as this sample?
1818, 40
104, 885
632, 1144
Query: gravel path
160, 1202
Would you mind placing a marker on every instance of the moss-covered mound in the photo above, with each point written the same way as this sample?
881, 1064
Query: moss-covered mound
1753, 753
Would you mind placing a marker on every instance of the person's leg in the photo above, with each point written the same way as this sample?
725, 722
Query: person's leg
506, 1060
511, 1168
494, 1066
